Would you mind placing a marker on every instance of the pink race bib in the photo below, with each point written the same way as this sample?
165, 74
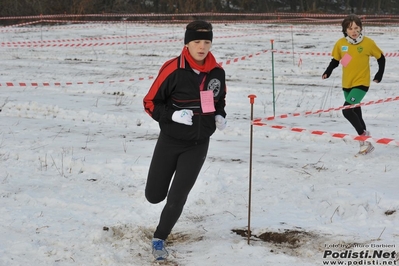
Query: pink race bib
346, 59
207, 103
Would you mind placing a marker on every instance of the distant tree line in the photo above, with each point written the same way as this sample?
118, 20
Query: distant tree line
46, 7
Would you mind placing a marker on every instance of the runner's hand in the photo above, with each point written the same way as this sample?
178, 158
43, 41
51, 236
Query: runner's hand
221, 122
183, 117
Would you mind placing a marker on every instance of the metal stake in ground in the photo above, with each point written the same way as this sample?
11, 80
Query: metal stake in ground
251, 100
274, 94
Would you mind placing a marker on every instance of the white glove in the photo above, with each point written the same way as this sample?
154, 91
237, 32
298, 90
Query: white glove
183, 117
221, 122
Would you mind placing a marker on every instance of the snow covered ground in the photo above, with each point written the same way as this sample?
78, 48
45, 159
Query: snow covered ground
75, 146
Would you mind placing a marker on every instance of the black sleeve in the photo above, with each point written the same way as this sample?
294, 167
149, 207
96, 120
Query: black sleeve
381, 68
220, 103
333, 64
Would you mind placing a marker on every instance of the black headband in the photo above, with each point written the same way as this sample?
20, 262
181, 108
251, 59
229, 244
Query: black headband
192, 35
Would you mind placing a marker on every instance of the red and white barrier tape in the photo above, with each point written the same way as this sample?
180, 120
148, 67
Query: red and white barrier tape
390, 54
95, 44
227, 62
74, 45
76, 24
56, 84
270, 14
390, 99
384, 141
47, 84
38, 42
82, 24
22, 24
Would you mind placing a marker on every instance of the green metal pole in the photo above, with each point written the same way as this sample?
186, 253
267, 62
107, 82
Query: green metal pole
274, 96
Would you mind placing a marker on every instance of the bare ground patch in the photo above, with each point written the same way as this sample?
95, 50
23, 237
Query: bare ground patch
297, 242
137, 239
288, 238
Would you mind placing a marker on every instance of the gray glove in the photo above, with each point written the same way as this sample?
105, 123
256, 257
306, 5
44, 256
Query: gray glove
221, 122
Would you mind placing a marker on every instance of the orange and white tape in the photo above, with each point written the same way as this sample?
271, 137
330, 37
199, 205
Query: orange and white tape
384, 141
389, 99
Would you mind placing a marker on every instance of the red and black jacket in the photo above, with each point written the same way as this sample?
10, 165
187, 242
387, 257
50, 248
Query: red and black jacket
177, 87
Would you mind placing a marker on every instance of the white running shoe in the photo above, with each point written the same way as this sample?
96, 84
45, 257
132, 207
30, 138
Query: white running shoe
365, 146
158, 249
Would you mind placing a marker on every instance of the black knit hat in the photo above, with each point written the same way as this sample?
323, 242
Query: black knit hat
192, 35
198, 30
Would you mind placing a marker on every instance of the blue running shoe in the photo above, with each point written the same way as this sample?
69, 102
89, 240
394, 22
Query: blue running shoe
158, 249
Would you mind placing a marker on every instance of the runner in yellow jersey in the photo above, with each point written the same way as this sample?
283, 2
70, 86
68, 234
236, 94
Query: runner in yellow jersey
353, 51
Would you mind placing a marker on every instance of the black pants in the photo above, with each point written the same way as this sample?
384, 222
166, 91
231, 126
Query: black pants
184, 160
354, 116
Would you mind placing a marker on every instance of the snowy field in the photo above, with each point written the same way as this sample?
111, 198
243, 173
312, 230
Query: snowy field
76, 144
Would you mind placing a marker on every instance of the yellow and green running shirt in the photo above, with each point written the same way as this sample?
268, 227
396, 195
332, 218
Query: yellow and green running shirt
356, 64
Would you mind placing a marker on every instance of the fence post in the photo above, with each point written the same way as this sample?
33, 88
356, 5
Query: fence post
251, 100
